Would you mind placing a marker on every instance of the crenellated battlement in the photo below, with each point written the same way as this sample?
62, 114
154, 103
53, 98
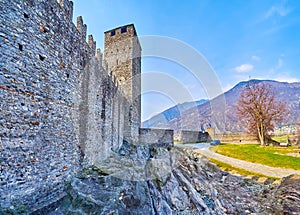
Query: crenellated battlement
92, 44
64, 104
61, 103
81, 27
61, 10
99, 56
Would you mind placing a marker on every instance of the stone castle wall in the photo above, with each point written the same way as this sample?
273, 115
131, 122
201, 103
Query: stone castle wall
123, 55
156, 137
193, 137
59, 106
238, 138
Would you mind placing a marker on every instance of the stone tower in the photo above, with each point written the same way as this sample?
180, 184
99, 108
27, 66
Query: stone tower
122, 52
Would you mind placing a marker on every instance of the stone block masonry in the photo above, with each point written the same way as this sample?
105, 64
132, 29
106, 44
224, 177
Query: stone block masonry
122, 52
242, 138
194, 137
61, 106
156, 137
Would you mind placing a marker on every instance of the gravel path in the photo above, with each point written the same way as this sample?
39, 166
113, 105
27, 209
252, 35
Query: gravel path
253, 167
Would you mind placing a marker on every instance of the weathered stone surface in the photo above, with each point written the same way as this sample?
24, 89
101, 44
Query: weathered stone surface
194, 137
60, 107
63, 109
285, 198
191, 187
94, 192
156, 137
123, 56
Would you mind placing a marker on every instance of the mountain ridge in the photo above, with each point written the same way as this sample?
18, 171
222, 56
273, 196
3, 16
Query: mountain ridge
200, 116
172, 112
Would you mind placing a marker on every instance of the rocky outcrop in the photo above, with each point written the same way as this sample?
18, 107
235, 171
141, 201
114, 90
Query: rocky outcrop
285, 199
192, 186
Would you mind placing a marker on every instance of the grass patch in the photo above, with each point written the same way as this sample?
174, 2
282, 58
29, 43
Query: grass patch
266, 155
232, 169
177, 142
282, 138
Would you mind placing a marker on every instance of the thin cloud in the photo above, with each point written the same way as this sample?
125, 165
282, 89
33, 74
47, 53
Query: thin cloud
276, 29
279, 64
282, 77
244, 68
278, 10
275, 69
255, 58
287, 78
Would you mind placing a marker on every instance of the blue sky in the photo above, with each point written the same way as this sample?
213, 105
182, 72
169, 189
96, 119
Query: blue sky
239, 39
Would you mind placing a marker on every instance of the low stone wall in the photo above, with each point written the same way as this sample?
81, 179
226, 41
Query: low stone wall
237, 138
156, 137
194, 137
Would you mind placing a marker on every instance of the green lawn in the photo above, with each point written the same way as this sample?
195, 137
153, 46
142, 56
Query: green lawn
267, 155
282, 138
177, 142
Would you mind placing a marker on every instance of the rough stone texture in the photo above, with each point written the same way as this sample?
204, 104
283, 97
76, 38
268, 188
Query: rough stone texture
60, 107
194, 137
237, 138
122, 52
284, 199
156, 137
38, 81
192, 186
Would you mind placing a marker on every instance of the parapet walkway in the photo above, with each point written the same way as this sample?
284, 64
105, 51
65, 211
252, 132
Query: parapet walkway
253, 167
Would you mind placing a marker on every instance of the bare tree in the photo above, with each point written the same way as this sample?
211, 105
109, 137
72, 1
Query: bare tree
258, 107
298, 131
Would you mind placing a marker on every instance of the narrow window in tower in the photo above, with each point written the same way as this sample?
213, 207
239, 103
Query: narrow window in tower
42, 58
123, 30
20, 47
113, 33
26, 15
103, 109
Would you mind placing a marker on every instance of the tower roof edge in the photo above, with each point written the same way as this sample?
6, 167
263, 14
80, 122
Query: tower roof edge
131, 24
